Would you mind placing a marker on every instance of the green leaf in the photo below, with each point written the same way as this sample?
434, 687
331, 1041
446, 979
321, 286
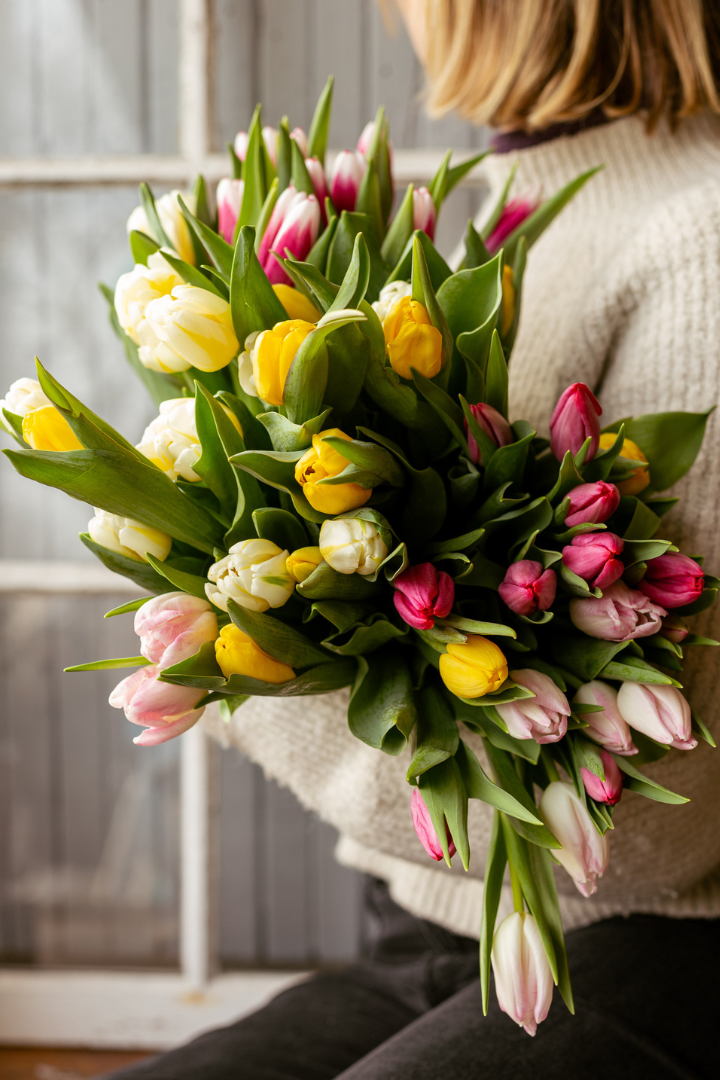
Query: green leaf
327, 584
422, 290
470, 301
287, 437
444, 795
437, 732
444, 407
307, 378
200, 670
139, 572
277, 639
497, 377
106, 665
343, 245
142, 246
437, 267
280, 526
496, 212
368, 198
124, 609
476, 254
479, 786
507, 464
156, 227
219, 251
356, 280
701, 731
213, 466
320, 124
254, 176
189, 583
400, 231
507, 778
319, 680
670, 442
479, 721
365, 637
584, 656
633, 669
382, 711
495, 863
448, 178
192, 275
253, 304
644, 785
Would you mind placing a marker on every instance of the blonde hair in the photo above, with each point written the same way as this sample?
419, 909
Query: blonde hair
532, 63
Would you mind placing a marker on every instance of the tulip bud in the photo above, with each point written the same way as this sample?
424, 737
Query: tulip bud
298, 135
640, 477
253, 574
423, 594
319, 183
135, 290
366, 140
493, 424
270, 138
591, 504
229, 200
575, 418
24, 396
346, 177
608, 727
528, 588
543, 717
608, 790
173, 626
352, 546
171, 218
246, 376
620, 614
422, 823
473, 668
674, 629
190, 328
318, 463
513, 215
411, 339
128, 537
424, 211
294, 225
673, 580
507, 303
171, 441
47, 429
389, 293
584, 852
660, 712
237, 654
272, 354
593, 557
296, 304
163, 709
241, 144
523, 979
303, 562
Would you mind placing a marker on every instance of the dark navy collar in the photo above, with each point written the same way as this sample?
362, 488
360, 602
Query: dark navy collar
505, 142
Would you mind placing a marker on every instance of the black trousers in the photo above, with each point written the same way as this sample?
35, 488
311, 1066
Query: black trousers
647, 995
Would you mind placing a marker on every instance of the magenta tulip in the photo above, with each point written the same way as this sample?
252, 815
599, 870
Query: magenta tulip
294, 224
607, 728
366, 138
347, 174
298, 135
422, 823
229, 200
528, 588
424, 211
591, 504
317, 175
620, 614
270, 138
523, 979
493, 424
163, 709
513, 215
543, 717
594, 558
423, 594
173, 626
608, 790
575, 419
660, 712
674, 629
673, 580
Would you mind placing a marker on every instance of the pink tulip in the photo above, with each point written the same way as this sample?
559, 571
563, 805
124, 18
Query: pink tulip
514, 213
584, 853
591, 504
523, 979
608, 790
348, 171
286, 200
574, 419
366, 137
241, 144
543, 717
424, 211
660, 712
673, 580
229, 200
493, 424
528, 588
422, 823
298, 135
163, 709
423, 594
270, 138
674, 629
293, 224
620, 614
593, 557
172, 627
317, 175
608, 727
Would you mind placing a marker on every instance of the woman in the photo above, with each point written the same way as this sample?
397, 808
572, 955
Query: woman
621, 293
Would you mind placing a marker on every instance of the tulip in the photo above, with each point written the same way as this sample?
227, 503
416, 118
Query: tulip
229, 200
270, 138
128, 537
422, 823
298, 135
47, 429
171, 218
173, 626
593, 557
423, 594
254, 574
620, 614
346, 178
272, 354
163, 709
660, 712
609, 790
608, 727
411, 339
575, 418
493, 424
584, 852
296, 304
640, 477
352, 546
237, 654
513, 215
388, 295
171, 441
591, 504
673, 580
366, 140
24, 396
507, 302
523, 979
294, 225
674, 629
303, 562
246, 376
528, 588
424, 211
285, 201
136, 289
322, 461
473, 668
319, 183
543, 717
190, 328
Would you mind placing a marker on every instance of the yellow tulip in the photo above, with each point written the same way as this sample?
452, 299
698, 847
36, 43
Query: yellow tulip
640, 477
47, 429
272, 355
302, 562
296, 304
322, 460
411, 339
237, 654
507, 304
473, 668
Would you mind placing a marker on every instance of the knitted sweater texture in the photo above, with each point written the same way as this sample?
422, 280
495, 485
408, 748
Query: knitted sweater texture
623, 293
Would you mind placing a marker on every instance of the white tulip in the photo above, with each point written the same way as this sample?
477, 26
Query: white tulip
23, 397
172, 220
246, 376
171, 441
352, 545
389, 294
584, 852
136, 289
128, 537
254, 575
523, 979
192, 327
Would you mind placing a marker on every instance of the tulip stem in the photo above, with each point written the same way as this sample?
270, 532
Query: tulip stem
516, 889
550, 766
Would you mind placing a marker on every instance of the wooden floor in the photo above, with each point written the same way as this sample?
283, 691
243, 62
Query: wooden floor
21, 1064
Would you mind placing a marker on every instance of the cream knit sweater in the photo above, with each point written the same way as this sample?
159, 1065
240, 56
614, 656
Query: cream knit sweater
622, 292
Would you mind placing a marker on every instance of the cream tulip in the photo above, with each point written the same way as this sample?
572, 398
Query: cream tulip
254, 574
192, 327
24, 396
136, 289
171, 441
171, 217
128, 537
352, 546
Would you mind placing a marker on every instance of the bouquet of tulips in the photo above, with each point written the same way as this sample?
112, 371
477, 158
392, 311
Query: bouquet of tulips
332, 495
